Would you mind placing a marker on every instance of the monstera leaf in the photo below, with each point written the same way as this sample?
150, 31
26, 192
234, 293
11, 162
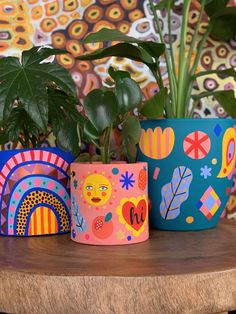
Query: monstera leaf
24, 82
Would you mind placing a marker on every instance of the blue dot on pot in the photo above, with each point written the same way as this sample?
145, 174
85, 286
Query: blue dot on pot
73, 233
115, 171
129, 238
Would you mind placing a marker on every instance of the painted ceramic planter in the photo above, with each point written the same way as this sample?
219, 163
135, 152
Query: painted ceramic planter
191, 163
34, 192
109, 203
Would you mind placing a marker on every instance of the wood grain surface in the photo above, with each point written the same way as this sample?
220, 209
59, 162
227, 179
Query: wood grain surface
173, 272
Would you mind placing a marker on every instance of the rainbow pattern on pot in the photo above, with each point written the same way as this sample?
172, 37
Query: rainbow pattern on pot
34, 192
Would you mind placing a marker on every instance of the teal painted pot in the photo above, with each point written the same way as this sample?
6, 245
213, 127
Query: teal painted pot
191, 165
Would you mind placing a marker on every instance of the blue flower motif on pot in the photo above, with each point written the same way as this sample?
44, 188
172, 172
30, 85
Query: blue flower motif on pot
205, 172
127, 180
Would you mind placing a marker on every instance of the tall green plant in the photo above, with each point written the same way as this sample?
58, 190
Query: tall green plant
182, 75
105, 109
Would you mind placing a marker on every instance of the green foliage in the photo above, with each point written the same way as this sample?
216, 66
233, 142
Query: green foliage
132, 48
101, 108
213, 6
165, 4
109, 35
20, 122
128, 94
131, 132
36, 98
226, 99
154, 106
105, 109
174, 102
225, 73
224, 24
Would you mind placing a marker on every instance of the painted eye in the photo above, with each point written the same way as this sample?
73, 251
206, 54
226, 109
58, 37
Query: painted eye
103, 188
89, 187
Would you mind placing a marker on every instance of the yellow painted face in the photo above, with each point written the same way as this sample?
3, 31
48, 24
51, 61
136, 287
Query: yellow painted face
97, 189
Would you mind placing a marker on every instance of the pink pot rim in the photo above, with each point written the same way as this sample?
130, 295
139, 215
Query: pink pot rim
110, 164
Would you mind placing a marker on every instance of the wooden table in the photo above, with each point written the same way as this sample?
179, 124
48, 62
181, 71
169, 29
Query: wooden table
173, 272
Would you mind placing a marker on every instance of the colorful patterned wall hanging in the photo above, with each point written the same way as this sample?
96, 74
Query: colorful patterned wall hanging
34, 192
109, 203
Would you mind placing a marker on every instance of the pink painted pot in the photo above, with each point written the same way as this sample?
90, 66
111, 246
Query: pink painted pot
109, 203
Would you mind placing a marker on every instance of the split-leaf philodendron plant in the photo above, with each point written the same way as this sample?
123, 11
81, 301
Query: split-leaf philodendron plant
180, 100
37, 98
107, 108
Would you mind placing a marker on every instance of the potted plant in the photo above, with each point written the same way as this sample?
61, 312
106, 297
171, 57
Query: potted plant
37, 98
109, 199
191, 161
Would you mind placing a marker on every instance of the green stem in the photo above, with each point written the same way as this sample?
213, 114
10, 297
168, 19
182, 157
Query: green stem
199, 50
204, 94
103, 154
159, 73
182, 62
170, 42
22, 142
40, 142
190, 114
168, 64
109, 143
196, 61
157, 78
203, 73
105, 150
195, 35
172, 58
191, 49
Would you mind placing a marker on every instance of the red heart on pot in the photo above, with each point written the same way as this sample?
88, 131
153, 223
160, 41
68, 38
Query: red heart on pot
135, 216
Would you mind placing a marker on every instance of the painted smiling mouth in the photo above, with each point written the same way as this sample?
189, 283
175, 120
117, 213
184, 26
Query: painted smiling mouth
96, 199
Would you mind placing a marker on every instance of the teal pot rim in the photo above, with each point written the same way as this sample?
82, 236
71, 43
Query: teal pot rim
194, 120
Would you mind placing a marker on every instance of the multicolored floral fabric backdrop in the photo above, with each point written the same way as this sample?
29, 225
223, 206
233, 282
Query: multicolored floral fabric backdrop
63, 23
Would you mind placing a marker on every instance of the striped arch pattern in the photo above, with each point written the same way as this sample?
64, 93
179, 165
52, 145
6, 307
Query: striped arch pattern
34, 180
